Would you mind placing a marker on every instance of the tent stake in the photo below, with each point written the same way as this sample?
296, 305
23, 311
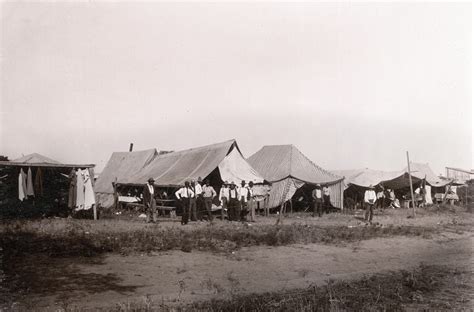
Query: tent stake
411, 185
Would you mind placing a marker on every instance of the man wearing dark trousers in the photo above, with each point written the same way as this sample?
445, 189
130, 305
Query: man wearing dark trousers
317, 197
149, 201
369, 200
192, 203
243, 194
233, 211
208, 193
327, 198
183, 195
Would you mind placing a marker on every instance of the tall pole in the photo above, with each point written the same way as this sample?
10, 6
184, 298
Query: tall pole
411, 185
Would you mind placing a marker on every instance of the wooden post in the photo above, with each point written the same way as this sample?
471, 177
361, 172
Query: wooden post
131, 147
411, 185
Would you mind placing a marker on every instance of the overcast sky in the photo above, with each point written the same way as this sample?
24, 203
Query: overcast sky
351, 85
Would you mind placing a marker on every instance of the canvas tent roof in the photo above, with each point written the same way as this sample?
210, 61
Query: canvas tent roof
38, 160
391, 179
122, 165
366, 177
278, 162
172, 169
288, 170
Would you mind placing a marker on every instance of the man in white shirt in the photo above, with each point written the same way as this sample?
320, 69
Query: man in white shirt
183, 195
251, 202
224, 197
192, 201
327, 198
199, 199
243, 193
369, 199
233, 204
208, 194
317, 197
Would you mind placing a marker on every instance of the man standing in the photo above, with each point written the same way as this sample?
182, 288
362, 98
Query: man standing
199, 199
327, 198
224, 198
183, 195
149, 201
317, 201
369, 199
243, 193
208, 193
192, 202
233, 204
251, 201
380, 198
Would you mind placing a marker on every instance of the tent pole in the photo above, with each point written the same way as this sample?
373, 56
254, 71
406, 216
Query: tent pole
342, 196
411, 185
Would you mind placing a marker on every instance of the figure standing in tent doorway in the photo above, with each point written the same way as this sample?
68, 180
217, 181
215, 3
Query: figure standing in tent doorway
317, 201
149, 201
369, 199
327, 198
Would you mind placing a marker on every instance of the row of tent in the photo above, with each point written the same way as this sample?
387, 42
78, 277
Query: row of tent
283, 165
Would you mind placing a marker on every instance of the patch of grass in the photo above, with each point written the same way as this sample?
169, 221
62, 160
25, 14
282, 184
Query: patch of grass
382, 292
75, 240
426, 288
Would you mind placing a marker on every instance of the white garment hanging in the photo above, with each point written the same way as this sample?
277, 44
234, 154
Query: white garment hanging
80, 199
21, 190
89, 198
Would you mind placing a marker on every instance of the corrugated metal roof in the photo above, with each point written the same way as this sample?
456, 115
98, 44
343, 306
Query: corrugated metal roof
122, 165
35, 158
278, 162
38, 160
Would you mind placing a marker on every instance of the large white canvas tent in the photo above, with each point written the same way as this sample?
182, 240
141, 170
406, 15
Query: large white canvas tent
223, 160
120, 166
173, 169
288, 170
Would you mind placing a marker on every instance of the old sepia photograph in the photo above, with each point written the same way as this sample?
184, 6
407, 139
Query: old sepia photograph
236, 156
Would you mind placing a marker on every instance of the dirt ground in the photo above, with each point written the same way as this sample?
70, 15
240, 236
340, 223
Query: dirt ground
177, 277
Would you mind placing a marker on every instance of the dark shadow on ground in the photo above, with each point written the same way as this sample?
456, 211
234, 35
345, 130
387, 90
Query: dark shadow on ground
24, 276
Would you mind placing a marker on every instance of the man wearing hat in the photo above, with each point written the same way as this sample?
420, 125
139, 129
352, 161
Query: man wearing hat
149, 201
233, 203
192, 201
183, 195
369, 199
224, 197
317, 197
208, 194
199, 198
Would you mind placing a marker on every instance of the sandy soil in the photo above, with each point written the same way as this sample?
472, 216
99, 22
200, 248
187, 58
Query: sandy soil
177, 277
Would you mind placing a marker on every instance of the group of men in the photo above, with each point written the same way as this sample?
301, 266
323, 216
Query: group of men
196, 198
321, 199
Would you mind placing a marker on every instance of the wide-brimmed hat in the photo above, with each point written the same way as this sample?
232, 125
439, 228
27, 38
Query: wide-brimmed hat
199, 179
151, 180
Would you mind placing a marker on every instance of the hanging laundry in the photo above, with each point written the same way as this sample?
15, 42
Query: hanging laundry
39, 182
72, 189
21, 188
29, 184
79, 190
23, 181
89, 197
